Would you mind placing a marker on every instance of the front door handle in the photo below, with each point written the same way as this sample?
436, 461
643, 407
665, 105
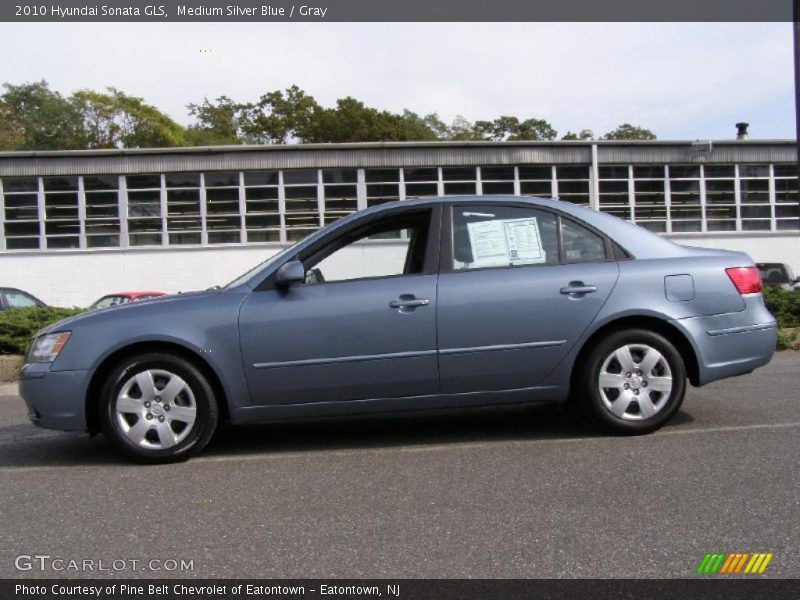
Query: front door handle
577, 289
408, 302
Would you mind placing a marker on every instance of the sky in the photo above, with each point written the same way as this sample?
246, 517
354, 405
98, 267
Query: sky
683, 81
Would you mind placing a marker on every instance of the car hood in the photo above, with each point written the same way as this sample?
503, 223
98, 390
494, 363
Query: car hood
109, 312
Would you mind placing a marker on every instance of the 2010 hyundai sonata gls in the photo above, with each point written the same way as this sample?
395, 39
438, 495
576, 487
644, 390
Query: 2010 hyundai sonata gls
445, 302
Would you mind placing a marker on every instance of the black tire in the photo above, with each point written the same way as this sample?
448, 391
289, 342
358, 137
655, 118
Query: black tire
197, 394
598, 400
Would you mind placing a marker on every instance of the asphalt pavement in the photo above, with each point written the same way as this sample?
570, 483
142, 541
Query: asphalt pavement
500, 493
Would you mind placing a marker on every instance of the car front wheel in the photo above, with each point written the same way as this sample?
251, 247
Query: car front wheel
158, 408
633, 381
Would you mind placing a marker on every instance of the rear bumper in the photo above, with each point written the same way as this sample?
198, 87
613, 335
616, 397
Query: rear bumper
55, 399
732, 344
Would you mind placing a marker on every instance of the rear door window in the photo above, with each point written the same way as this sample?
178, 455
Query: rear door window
503, 236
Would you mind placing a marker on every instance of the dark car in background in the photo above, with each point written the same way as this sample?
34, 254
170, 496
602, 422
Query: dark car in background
778, 275
14, 298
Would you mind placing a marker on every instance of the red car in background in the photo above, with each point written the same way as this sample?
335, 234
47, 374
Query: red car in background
124, 298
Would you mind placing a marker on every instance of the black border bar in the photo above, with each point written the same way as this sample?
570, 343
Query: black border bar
397, 11
700, 588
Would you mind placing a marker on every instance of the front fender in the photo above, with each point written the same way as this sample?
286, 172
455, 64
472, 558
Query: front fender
206, 326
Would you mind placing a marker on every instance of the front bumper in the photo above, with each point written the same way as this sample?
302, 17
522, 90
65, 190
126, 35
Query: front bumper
734, 343
55, 399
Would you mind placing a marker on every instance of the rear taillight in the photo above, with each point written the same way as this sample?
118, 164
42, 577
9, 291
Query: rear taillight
746, 279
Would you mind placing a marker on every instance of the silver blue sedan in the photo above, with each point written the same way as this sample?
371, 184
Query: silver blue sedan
435, 303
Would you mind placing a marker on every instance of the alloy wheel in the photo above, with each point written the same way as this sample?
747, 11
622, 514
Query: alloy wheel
155, 409
635, 382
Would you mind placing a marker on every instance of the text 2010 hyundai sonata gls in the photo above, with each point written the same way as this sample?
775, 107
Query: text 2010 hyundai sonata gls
445, 302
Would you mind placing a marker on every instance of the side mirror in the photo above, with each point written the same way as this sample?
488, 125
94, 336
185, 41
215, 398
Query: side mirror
290, 273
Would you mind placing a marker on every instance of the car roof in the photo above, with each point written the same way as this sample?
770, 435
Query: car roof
638, 241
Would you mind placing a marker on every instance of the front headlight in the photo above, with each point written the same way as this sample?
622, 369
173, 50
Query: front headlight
46, 347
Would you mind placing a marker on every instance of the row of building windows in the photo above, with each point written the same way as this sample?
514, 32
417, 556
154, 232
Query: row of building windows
700, 198
109, 211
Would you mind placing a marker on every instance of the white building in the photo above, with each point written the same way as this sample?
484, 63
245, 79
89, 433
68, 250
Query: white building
80, 224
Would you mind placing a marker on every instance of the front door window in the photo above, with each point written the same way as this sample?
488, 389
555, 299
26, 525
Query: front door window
393, 247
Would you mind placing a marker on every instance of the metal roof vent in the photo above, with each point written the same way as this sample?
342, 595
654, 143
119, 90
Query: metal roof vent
741, 131
701, 150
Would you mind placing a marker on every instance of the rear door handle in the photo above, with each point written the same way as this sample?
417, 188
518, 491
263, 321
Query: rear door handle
577, 288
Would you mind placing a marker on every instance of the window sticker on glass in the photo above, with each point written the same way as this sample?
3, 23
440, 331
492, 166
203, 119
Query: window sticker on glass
505, 242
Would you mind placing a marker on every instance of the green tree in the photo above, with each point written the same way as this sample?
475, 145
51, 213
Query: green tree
463, 130
508, 128
12, 133
486, 130
278, 117
116, 120
585, 134
437, 127
626, 131
534, 129
33, 117
289, 115
422, 129
283, 116
352, 121
217, 123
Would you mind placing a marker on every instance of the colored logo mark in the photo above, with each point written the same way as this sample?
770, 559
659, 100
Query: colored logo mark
721, 563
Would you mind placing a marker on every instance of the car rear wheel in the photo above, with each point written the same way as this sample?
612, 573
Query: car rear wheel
633, 381
158, 408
